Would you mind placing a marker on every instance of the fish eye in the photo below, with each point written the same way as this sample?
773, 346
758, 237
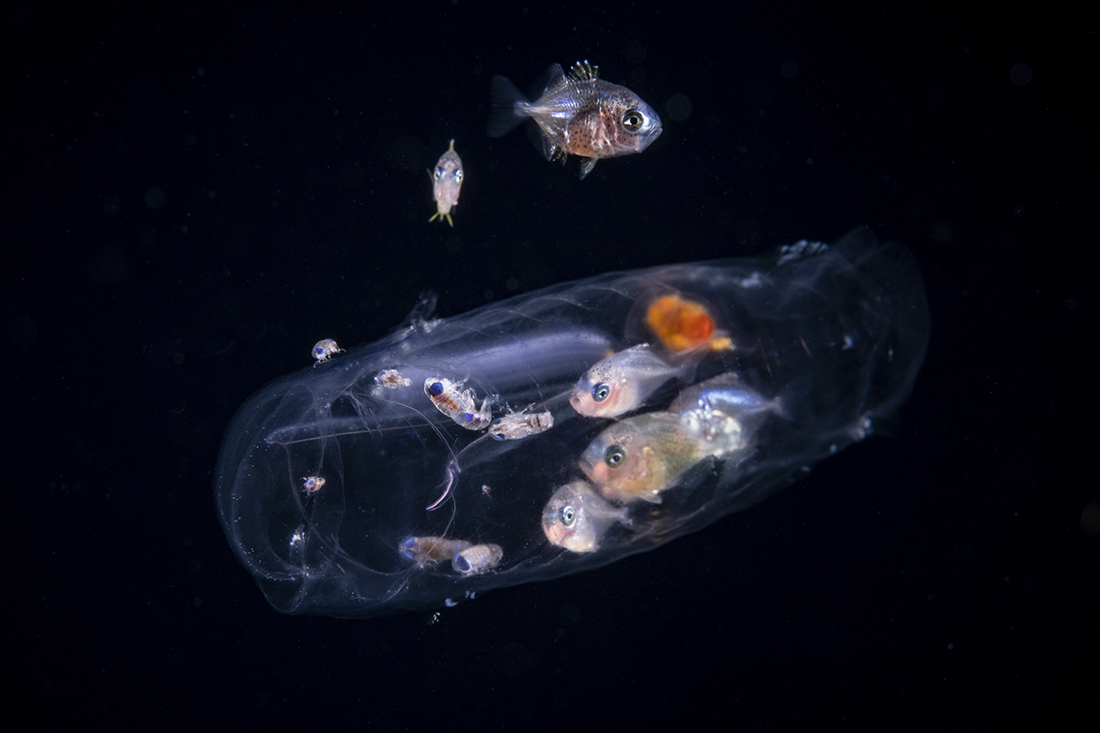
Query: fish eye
458, 175
633, 119
601, 391
615, 455
567, 515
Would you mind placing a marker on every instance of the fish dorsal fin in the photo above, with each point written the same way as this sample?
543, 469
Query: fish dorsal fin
584, 71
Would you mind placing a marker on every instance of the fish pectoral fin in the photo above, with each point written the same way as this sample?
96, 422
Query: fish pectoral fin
587, 166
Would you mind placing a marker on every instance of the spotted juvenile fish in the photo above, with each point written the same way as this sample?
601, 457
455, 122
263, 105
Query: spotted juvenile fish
578, 114
622, 381
446, 183
639, 457
576, 517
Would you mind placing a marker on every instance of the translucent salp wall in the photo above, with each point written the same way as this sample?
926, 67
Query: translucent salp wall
348, 488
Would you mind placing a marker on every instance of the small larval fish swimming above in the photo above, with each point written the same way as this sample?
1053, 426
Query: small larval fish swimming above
577, 114
446, 183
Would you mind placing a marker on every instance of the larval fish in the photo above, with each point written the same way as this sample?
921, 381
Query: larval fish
578, 114
576, 517
622, 381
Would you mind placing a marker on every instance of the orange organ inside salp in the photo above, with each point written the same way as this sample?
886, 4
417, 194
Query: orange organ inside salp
680, 324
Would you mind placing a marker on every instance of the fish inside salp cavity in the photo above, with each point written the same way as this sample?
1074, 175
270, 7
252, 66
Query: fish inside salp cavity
577, 114
446, 184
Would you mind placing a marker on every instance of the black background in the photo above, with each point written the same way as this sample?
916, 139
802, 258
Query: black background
193, 197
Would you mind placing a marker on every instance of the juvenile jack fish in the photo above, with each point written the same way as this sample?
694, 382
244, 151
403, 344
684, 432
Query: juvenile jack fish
619, 383
576, 517
578, 114
641, 456
446, 183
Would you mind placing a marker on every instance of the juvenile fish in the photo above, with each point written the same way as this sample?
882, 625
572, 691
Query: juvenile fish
576, 517
577, 114
446, 184
725, 394
622, 381
641, 456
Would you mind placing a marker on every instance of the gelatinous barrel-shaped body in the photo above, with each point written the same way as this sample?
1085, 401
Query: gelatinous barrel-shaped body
810, 348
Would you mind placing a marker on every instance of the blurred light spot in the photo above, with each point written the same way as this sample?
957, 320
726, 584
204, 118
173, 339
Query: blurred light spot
679, 107
107, 266
154, 198
942, 232
1021, 74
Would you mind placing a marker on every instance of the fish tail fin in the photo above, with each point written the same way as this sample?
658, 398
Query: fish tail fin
507, 112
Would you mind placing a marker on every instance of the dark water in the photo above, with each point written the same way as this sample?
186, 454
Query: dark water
193, 198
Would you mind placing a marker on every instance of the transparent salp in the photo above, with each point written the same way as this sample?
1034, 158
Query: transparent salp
821, 344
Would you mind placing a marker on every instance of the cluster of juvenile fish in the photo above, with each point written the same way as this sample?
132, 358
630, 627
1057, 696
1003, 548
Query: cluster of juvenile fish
634, 459
638, 457
576, 114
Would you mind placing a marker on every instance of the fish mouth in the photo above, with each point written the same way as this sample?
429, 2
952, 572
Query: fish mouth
577, 402
647, 137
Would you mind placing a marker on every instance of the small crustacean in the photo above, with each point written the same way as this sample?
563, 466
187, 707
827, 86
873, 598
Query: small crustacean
312, 484
576, 517
426, 552
391, 379
516, 425
619, 383
325, 349
458, 404
477, 559
446, 184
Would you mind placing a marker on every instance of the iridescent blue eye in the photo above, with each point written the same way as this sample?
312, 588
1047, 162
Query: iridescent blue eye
568, 515
435, 389
601, 391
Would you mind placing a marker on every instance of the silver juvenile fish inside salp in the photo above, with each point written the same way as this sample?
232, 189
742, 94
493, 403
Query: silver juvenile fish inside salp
446, 184
578, 114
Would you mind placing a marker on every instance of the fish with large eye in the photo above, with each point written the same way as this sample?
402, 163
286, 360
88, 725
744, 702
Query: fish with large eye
576, 517
708, 403
639, 457
621, 382
446, 184
578, 114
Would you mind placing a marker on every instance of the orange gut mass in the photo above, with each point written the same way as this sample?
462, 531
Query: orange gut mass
682, 324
